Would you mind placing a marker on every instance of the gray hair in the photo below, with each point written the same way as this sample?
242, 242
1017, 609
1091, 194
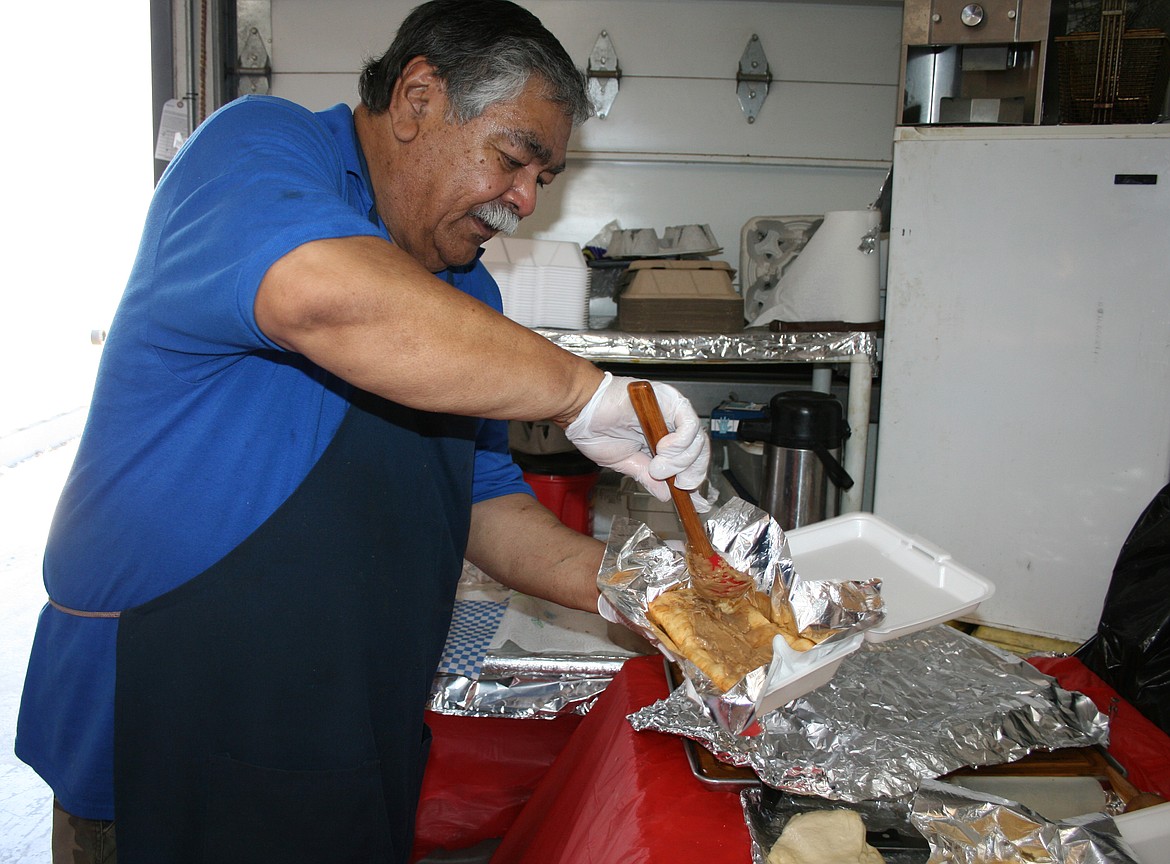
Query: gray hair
484, 51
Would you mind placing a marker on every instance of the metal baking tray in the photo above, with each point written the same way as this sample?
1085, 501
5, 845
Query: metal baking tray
707, 769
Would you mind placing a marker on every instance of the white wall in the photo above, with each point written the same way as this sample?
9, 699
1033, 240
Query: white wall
676, 148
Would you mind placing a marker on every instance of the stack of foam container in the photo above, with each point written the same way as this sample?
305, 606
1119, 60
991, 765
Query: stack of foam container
544, 283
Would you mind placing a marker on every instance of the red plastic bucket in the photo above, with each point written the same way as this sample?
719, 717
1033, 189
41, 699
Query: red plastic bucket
569, 496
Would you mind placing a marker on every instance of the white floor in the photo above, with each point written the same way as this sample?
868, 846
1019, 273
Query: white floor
28, 494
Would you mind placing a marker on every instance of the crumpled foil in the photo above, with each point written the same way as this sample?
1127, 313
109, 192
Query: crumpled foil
638, 566
526, 687
968, 827
896, 712
563, 672
945, 822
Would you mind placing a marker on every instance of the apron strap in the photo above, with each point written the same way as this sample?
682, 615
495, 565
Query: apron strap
81, 613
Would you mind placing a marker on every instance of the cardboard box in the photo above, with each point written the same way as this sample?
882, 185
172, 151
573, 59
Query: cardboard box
727, 415
680, 297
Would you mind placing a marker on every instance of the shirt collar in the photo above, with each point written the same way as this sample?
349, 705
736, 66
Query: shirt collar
339, 119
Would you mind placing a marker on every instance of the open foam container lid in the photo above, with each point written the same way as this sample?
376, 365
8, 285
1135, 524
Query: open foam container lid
921, 585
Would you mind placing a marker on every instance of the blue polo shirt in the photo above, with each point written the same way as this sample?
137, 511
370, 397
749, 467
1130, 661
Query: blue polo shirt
200, 426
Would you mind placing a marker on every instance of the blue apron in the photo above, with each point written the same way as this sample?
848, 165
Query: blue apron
271, 709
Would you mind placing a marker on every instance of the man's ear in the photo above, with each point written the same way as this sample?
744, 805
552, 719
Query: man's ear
417, 93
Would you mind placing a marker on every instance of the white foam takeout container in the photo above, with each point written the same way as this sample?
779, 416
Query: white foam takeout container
920, 585
1147, 831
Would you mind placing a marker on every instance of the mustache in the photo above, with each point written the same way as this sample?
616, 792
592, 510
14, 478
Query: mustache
497, 217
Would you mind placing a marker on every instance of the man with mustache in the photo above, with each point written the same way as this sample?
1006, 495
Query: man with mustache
296, 437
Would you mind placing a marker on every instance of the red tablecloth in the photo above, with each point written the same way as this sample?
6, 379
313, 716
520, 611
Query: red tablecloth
593, 791
1135, 742
619, 795
480, 774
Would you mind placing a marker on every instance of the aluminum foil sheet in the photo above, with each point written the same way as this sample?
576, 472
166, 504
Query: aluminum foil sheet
529, 687
639, 566
748, 346
542, 661
968, 827
896, 713
944, 822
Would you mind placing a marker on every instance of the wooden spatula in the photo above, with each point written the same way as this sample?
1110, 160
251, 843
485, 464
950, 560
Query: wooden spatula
711, 576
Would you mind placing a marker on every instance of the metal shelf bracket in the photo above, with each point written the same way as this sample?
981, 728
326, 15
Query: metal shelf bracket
253, 68
603, 74
752, 79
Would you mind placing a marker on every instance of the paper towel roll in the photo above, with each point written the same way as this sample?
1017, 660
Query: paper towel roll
835, 277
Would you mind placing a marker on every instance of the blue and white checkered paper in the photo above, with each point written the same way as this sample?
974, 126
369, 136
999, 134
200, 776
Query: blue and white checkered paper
473, 625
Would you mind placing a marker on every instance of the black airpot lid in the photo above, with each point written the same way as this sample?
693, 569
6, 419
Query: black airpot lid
801, 419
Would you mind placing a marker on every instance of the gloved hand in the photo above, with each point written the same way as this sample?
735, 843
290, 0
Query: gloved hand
607, 431
607, 611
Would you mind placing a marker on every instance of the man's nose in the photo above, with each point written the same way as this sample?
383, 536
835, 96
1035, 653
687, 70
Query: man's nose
522, 194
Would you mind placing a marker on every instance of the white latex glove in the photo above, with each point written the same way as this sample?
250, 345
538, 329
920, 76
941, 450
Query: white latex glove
607, 431
607, 610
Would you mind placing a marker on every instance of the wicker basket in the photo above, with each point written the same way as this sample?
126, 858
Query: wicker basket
1140, 86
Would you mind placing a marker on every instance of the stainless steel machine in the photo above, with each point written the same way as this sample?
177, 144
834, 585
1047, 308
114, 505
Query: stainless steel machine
973, 61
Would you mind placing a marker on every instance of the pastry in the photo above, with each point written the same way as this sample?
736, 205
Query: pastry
824, 837
725, 638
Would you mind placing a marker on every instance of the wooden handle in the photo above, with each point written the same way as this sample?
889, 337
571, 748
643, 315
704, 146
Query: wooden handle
654, 425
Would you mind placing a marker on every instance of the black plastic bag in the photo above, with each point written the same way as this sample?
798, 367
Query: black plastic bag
1131, 649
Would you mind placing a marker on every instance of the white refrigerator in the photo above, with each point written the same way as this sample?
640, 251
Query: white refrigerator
1025, 389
